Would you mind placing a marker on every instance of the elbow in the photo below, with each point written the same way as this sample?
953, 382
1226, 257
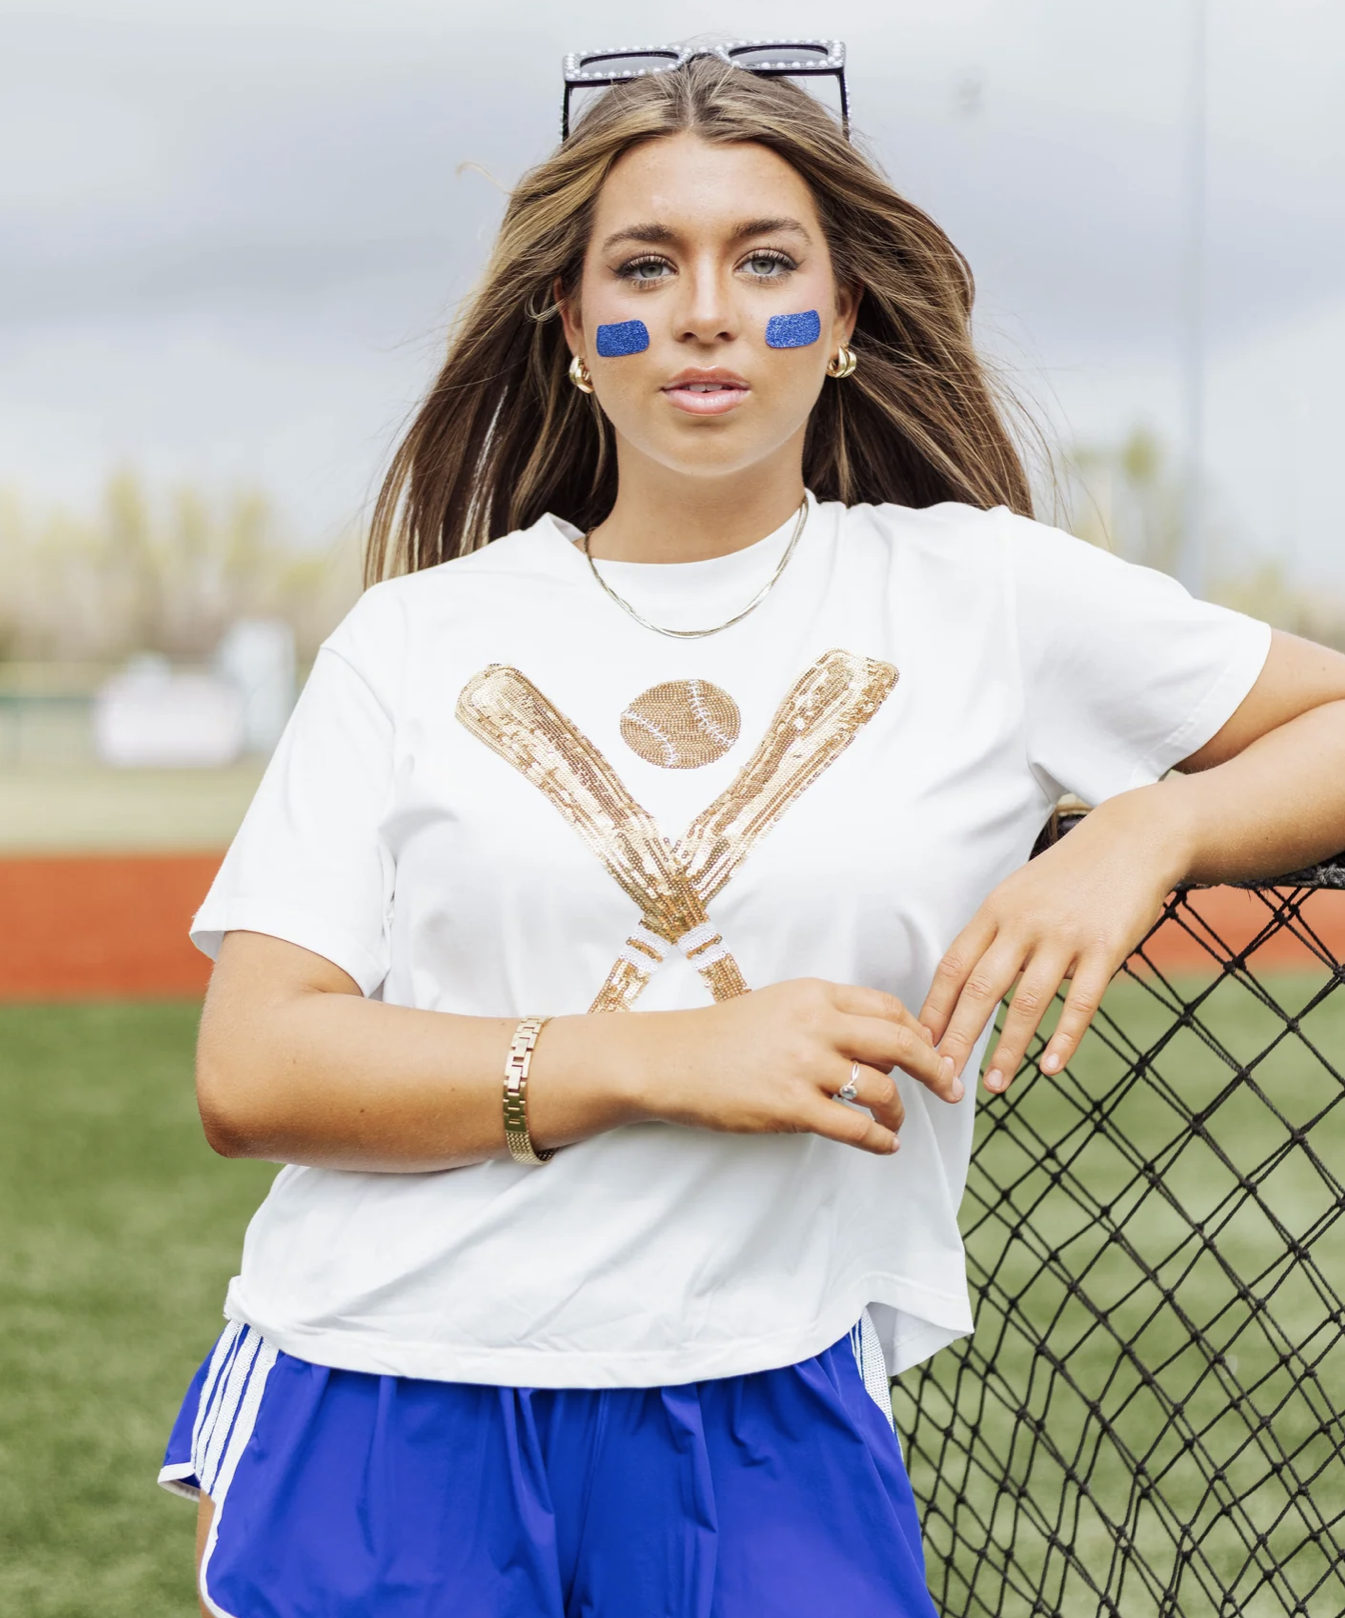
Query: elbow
245, 1055
230, 1127
223, 1135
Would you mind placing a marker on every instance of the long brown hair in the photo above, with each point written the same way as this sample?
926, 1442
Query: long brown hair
503, 436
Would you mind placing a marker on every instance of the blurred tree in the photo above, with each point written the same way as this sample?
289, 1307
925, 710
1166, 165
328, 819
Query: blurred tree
169, 573
165, 574
1128, 498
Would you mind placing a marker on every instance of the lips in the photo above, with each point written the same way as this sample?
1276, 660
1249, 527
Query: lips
706, 392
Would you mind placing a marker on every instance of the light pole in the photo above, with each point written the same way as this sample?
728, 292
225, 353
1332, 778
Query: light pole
1192, 563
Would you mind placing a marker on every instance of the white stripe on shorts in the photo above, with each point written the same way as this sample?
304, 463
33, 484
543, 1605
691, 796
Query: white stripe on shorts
233, 1427
872, 1366
182, 1477
216, 1430
212, 1388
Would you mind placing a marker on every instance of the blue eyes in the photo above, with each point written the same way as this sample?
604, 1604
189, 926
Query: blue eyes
776, 265
763, 266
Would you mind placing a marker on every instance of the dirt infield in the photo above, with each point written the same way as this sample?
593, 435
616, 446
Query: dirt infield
89, 927
1238, 917
115, 926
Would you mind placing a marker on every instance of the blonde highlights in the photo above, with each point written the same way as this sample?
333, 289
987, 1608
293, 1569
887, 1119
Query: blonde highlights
504, 437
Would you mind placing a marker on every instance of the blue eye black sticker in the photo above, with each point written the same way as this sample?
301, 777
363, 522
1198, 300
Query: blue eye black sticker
625, 337
791, 331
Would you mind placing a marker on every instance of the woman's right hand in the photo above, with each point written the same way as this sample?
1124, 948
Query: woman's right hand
768, 1062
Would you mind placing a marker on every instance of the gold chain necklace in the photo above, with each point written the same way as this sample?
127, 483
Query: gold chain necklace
698, 634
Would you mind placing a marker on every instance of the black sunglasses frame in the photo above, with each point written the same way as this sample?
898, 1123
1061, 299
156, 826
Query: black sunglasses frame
579, 76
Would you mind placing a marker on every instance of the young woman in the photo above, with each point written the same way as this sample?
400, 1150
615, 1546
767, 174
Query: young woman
726, 682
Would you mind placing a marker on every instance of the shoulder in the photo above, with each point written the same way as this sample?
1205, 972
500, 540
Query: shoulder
945, 548
953, 527
950, 530
396, 614
1019, 551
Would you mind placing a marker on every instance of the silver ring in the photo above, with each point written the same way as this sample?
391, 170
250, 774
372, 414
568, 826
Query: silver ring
849, 1091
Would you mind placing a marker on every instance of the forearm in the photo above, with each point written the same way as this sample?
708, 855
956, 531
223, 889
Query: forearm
1275, 807
327, 1078
296, 1066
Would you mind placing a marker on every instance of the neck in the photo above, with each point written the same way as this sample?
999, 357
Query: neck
665, 516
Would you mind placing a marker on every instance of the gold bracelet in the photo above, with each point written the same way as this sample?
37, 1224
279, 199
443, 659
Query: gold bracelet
516, 1065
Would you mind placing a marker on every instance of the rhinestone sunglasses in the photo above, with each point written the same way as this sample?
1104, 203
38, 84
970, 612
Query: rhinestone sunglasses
774, 58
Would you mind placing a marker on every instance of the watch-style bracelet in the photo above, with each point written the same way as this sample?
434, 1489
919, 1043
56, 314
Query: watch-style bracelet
516, 1066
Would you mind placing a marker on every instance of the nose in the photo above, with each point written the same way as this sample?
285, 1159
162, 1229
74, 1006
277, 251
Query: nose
706, 312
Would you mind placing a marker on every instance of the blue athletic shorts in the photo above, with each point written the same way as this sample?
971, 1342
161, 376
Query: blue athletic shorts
343, 1495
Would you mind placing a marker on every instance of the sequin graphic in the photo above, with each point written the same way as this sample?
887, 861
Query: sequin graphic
623, 337
826, 708
681, 724
671, 883
793, 331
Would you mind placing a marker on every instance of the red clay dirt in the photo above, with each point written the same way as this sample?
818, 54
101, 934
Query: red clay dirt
93, 927
97, 926
1235, 919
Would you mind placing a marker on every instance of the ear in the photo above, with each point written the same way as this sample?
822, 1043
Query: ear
848, 299
571, 317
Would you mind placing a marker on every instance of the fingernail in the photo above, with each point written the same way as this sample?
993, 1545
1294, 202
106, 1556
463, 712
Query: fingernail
994, 1079
896, 1146
958, 1090
1050, 1062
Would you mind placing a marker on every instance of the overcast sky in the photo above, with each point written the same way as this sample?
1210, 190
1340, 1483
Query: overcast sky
230, 236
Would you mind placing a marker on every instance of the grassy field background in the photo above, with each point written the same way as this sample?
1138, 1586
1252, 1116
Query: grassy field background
121, 1230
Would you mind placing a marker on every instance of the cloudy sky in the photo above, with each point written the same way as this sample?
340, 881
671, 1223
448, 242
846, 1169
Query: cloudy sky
231, 236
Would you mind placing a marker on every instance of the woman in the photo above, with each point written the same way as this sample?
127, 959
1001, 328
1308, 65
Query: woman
737, 703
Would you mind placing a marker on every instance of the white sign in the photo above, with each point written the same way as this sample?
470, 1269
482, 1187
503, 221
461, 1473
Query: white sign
256, 656
150, 717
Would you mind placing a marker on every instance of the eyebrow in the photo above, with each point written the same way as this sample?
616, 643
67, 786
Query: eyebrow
656, 235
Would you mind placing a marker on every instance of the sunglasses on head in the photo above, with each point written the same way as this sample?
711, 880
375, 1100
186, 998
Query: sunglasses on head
773, 58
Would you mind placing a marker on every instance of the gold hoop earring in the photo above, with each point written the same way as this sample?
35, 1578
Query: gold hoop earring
843, 362
579, 374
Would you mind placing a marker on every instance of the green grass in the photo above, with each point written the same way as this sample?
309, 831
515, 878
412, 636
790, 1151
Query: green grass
121, 1230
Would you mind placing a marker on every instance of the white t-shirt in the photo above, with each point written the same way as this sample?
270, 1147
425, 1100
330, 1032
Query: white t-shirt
483, 805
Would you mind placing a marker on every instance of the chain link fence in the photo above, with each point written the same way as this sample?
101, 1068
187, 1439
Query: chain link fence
1147, 1422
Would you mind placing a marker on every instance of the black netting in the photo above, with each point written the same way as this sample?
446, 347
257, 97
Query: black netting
1148, 1418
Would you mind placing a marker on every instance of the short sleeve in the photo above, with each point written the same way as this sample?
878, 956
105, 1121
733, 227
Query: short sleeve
1124, 672
308, 864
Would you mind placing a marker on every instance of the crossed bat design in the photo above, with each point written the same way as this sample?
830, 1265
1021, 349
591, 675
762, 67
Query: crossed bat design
672, 882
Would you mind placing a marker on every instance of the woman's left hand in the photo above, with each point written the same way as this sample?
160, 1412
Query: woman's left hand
1075, 912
